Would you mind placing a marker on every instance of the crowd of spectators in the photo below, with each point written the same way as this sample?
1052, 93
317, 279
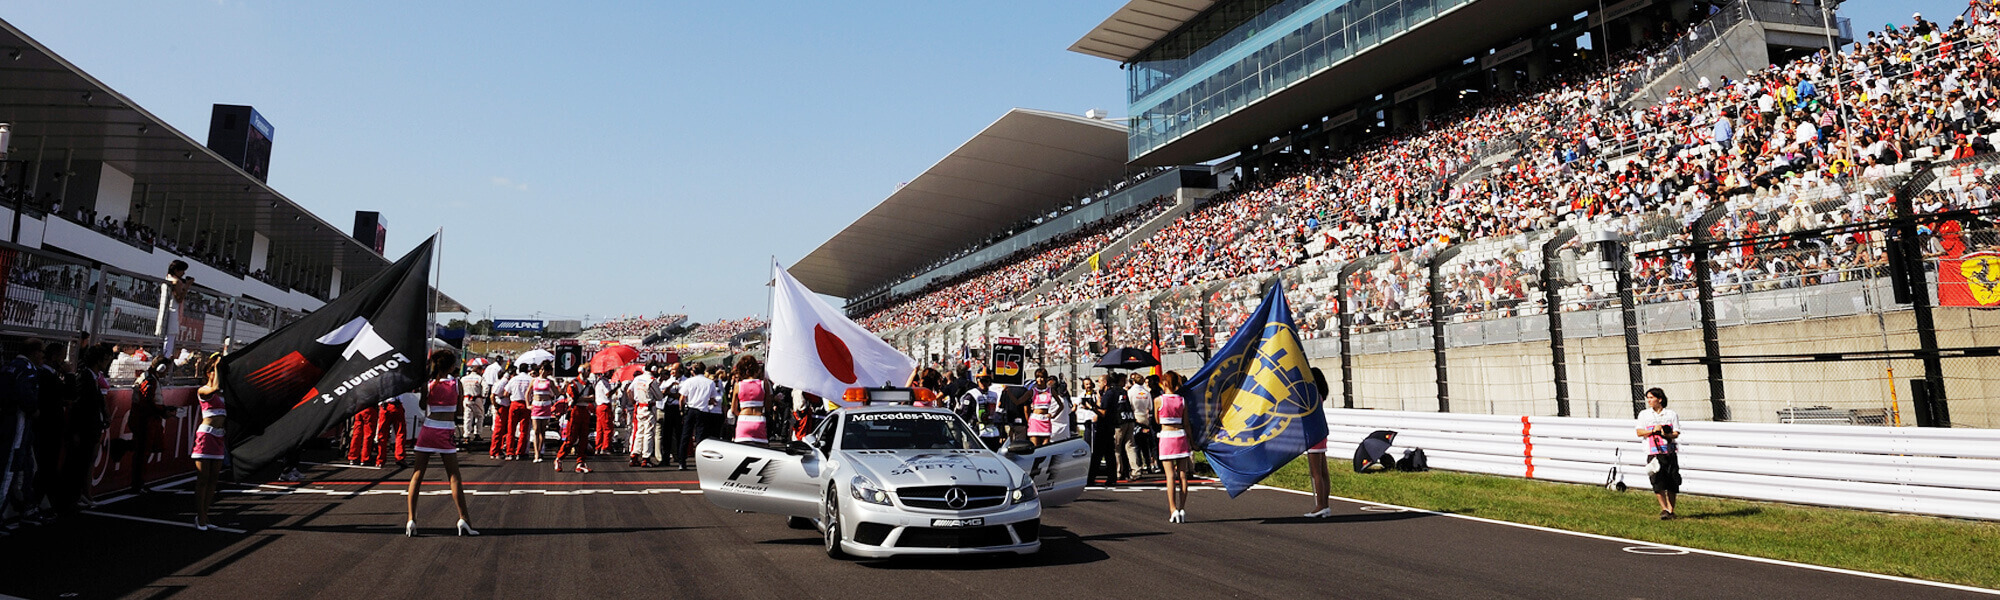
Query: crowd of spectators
723, 330
632, 327
1802, 145
1006, 279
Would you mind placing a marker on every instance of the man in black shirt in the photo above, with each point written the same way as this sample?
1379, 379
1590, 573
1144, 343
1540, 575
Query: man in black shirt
1114, 427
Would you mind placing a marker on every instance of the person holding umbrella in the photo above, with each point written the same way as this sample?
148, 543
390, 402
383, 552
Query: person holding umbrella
1113, 428
577, 427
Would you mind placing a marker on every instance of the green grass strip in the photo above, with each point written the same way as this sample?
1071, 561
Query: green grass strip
1957, 551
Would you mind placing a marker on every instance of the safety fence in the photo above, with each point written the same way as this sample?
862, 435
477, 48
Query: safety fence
1944, 472
1799, 300
55, 296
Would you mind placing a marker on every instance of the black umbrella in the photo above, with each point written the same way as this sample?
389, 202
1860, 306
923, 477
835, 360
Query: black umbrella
1128, 358
1373, 453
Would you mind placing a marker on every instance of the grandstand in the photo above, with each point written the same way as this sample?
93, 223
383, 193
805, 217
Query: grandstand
1775, 242
98, 196
1033, 187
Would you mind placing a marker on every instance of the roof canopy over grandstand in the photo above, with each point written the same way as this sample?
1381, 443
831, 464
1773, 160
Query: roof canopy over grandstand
1137, 26
1026, 163
1454, 34
54, 106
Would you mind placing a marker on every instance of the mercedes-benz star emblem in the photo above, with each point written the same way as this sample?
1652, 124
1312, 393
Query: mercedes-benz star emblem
955, 498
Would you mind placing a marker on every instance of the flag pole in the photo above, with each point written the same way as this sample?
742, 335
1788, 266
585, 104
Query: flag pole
770, 306
437, 291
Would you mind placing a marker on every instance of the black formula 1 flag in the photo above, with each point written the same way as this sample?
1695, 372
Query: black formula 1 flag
365, 346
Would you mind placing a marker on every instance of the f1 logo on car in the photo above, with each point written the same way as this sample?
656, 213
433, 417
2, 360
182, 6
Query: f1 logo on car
763, 474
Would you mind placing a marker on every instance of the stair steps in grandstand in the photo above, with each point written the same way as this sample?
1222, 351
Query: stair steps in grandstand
1734, 41
1118, 246
1486, 165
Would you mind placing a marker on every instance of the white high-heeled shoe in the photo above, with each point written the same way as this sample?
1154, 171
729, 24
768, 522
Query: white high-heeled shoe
1320, 514
465, 530
410, 528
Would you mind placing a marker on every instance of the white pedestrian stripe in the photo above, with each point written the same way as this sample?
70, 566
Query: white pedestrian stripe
158, 521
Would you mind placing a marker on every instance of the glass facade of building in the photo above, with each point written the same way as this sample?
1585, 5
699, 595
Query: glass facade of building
1243, 51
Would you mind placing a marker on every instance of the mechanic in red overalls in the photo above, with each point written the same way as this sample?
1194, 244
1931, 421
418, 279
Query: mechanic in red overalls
389, 431
577, 407
361, 443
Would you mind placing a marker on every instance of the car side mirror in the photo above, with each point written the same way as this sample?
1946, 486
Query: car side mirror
1020, 447
798, 448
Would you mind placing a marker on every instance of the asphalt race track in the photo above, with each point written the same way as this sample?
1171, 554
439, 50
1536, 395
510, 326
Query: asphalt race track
633, 533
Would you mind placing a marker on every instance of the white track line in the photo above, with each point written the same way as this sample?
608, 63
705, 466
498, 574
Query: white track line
158, 521
1768, 561
273, 490
342, 465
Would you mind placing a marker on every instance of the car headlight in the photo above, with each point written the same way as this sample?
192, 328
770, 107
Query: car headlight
1023, 492
864, 491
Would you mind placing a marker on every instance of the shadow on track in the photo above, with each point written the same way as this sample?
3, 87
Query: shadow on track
1059, 547
1367, 517
446, 531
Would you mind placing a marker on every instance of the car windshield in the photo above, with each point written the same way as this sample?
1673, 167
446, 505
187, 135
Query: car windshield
906, 431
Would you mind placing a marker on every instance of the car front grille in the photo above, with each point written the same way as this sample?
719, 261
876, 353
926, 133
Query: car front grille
933, 497
965, 537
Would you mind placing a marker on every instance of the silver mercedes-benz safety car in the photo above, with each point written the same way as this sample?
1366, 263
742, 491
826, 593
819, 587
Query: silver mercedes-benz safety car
882, 481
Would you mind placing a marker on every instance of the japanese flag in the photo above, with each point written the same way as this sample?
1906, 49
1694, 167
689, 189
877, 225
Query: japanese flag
816, 349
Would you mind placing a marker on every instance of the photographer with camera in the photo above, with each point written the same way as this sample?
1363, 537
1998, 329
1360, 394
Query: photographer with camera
1659, 426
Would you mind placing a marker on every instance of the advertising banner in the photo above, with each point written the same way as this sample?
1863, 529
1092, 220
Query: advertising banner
569, 358
518, 325
1008, 358
1972, 280
155, 442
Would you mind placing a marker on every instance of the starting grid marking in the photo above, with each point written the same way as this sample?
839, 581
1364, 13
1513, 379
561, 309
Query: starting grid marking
1150, 488
274, 490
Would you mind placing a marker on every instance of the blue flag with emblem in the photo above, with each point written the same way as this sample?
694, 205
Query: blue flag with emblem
1253, 407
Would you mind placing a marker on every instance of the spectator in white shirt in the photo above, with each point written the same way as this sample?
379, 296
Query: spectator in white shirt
1659, 426
703, 417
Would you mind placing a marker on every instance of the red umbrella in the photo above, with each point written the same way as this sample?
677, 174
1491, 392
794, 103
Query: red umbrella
478, 362
612, 357
627, 372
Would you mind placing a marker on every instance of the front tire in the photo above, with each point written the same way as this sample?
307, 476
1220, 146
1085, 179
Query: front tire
832, 520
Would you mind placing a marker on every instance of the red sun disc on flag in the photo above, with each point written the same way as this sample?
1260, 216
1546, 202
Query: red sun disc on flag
834, 355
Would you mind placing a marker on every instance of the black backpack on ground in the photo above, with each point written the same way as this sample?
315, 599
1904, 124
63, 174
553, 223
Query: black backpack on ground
1413, 461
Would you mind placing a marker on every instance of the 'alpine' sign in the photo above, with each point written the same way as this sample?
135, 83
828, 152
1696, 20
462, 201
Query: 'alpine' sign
517, 325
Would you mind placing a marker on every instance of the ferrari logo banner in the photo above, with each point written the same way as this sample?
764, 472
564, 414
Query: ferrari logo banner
1972, 280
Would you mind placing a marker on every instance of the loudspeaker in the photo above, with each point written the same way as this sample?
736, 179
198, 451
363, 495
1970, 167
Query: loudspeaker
242, 137
1103, 313
1187, 340
1096, 348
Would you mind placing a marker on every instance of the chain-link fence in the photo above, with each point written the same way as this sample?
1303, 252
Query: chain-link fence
1795, 300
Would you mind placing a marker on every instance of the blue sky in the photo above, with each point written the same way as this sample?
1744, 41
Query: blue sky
594, 158
606, 158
